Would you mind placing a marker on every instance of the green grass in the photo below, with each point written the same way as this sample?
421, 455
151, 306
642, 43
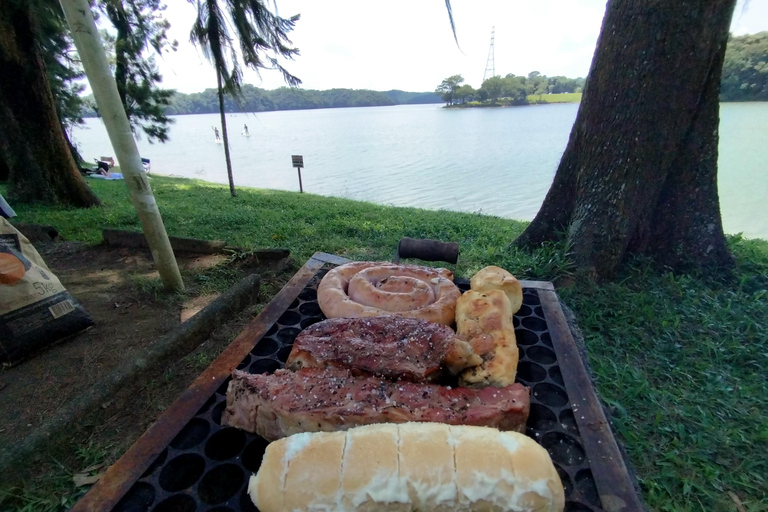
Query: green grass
303, 223
681, 361
569, 97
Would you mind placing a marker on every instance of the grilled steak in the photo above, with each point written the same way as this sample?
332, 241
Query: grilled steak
329, 399
390, 346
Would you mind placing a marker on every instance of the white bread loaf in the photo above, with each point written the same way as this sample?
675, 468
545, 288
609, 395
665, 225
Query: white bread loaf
480, 315
496, 278
407, 467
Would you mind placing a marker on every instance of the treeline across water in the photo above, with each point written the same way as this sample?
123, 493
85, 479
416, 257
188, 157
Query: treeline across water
745, 70
745, 78
254, 99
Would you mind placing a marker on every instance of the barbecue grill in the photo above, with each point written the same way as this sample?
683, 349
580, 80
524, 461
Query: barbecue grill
187, 461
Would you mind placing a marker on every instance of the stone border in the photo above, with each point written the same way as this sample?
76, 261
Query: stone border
122, 238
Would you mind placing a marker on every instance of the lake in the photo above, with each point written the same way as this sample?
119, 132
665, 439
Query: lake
492, 161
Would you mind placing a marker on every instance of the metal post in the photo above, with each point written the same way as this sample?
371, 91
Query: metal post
301, 189
90, 49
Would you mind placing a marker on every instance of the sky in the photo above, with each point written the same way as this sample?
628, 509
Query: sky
408, 44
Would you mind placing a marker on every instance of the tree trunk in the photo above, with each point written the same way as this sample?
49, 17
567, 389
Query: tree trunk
224, 136
639, 173
40, 165
5, 171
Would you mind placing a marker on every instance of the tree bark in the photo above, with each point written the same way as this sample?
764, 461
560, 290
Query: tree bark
224, 136
5, 171
639, 173
40, 165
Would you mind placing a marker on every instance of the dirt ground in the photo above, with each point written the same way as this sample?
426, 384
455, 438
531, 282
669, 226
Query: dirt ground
120, 289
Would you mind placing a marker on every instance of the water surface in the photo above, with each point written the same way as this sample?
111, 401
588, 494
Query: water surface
494, 161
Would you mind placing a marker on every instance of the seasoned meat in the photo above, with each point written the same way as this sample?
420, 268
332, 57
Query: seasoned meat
330, 399
390, 346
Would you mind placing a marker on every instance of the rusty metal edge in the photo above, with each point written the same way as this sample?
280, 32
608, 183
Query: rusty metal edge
612, 479
338, 260
537, 285
119, 478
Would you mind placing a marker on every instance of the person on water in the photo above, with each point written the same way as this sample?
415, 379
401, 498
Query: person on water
245, 130
216, 133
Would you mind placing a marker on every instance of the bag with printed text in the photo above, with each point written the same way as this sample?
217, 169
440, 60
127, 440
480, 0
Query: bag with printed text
35, 308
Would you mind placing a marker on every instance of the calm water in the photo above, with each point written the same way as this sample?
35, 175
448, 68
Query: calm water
494, 161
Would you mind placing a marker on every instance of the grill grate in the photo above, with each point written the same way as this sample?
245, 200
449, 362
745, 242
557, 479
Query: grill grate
206, 467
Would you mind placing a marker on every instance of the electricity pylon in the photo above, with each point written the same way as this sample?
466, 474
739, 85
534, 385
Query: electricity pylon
490, 65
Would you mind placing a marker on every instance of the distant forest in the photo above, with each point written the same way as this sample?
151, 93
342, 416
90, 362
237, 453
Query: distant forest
255, 99
745, 78
745, 70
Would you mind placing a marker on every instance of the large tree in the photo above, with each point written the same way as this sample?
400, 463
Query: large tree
140, 29
447, 88
639, 173
261, 37
32, 143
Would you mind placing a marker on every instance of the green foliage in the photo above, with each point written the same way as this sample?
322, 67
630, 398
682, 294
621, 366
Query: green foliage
745, 70
412, 98
254, 99
447, 88
514, 90
260, 39
64, 70
56, 491
140, 29
493, 87
464, 92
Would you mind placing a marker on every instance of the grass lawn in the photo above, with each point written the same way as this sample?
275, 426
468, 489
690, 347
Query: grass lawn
568, 97
681, 361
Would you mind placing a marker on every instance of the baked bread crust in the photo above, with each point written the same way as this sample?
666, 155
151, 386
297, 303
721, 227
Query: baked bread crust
410, 466
479, 316
496, 278
368, 288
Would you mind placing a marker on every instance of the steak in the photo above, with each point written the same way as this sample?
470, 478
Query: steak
330, 399
390, 346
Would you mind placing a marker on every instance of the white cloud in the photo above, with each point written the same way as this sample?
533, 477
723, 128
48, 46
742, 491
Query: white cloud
408, 45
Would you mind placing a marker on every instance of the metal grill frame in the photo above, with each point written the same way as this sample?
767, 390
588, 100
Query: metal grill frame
602, 456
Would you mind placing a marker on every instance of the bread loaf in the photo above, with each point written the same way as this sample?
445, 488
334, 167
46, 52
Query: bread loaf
407, 467
482, 315
496, 278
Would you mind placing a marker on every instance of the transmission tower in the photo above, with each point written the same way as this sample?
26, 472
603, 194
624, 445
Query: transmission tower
490, 65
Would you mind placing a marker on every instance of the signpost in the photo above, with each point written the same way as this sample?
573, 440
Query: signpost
298, 163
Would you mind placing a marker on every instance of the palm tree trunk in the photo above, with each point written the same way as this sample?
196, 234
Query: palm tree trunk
90, 49
224, 135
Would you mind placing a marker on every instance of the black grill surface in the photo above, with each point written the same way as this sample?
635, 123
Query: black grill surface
206, 468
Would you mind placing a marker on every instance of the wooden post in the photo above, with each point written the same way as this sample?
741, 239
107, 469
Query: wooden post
298, 163
90, 49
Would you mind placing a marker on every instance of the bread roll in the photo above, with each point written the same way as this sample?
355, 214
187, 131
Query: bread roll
496, 278
482, 315
407, 467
